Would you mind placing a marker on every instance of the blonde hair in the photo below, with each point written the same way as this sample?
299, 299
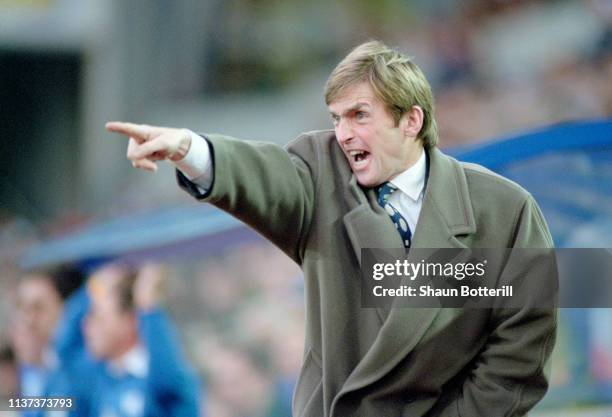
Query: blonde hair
396, 80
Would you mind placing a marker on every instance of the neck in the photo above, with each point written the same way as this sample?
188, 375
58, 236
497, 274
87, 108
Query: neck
123, 349
414, 156
411, 160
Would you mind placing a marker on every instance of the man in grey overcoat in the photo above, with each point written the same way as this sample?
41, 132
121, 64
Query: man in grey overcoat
378, 180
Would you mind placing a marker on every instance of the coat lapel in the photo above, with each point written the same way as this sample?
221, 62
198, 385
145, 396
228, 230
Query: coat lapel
446, 213
368, 225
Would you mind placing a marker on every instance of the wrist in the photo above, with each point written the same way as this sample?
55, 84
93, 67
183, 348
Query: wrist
197, 162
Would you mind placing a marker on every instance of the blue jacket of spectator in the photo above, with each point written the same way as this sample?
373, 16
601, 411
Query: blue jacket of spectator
155, 379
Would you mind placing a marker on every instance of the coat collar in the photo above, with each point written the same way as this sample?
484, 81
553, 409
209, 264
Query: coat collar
447, 208
446, 213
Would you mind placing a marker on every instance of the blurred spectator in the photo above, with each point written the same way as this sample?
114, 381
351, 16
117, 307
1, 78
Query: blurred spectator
142, 371
41, 296
39, 306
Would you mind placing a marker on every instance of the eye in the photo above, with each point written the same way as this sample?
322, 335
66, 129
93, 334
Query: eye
360, 115
335, 119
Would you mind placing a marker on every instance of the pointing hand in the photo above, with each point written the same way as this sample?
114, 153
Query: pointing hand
148, 144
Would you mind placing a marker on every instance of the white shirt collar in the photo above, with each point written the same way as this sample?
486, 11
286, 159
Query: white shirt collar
134, 362
412, 181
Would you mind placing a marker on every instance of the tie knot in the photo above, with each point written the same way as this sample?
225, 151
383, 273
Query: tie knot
384, 191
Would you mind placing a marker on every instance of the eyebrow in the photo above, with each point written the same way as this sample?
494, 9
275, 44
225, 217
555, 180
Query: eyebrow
353, 108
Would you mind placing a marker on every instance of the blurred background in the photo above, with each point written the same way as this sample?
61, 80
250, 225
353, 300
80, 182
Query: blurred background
502, 71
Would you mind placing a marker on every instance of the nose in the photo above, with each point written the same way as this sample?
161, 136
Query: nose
344, 131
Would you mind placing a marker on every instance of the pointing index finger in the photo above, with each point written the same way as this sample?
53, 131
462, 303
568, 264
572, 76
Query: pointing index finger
140, 132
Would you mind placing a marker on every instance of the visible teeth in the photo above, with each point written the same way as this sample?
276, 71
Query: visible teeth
353, 153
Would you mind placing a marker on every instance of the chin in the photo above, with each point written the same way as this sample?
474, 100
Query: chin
96, 351
367, 181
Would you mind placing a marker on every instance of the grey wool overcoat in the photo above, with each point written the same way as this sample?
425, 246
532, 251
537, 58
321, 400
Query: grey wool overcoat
361, 362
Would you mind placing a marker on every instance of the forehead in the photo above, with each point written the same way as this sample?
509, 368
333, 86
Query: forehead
102, 296
109, 275
354, 95
103, 282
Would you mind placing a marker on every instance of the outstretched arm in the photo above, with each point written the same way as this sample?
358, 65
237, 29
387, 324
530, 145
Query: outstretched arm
262, 184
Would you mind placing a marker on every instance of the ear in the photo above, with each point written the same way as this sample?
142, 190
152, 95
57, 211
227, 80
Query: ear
412, 121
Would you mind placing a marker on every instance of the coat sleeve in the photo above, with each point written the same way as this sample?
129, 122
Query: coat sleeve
510, 375
264, 185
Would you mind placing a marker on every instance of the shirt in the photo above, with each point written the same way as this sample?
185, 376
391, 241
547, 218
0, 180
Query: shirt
408, 199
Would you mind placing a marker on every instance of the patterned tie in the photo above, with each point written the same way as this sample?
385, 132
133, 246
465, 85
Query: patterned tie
384, 192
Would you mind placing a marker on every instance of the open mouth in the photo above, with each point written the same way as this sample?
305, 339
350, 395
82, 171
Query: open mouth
359, 158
